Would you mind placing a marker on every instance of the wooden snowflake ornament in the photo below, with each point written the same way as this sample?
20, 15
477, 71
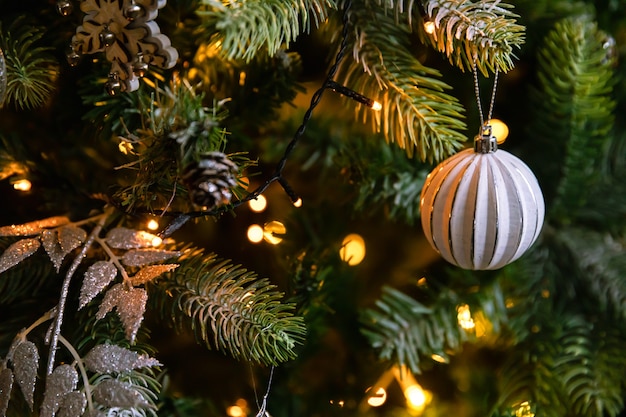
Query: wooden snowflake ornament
131, 40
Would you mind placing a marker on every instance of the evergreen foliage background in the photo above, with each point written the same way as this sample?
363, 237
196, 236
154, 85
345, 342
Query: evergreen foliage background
553, 322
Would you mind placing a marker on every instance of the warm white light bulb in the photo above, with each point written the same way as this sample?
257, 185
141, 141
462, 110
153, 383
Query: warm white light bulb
273, 232
235, 411
258, 204
152, 224
22, 185
298, 203
499, 129
464, 317
255, 233
377, 398
429, 27
415, 396
377, 106
352, 249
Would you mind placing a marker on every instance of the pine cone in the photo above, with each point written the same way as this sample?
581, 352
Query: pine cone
210, 180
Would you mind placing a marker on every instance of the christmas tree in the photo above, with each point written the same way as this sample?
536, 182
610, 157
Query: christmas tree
316, 208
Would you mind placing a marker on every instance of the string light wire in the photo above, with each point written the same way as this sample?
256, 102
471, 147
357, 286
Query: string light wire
182, 218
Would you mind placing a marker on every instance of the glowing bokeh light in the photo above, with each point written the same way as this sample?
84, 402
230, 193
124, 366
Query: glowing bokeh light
464, 317
258, 204
499, 129
255, 233
352, 249
152, 224
377, 398
22, 185
273, 231
429, 27
235, 411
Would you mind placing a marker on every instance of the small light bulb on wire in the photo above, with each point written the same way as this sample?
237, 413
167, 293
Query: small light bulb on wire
258, 204
372, 104
22, 185
152, 224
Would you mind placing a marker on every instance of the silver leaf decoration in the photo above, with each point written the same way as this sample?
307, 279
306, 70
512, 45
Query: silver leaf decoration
107, 358
60, 242
6, 383
60, 382
97, 277
72, 404
25, 360
71, 237
123, 238
141, 257
130, 304
17, 252
114, 393
52, 247
33, 228
150, 272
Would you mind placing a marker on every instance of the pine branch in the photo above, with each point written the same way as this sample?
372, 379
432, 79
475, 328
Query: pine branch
31, 69
404, 330
229, 309
568, 366
416, 113
601, 264
574, 112
176, 131
605, 208
253, 91
386, 179
468, 32
243, 28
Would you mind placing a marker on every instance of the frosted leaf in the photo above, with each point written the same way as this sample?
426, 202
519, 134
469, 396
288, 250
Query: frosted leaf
6, 383
130, 304
52, 247
33, 228
107, 358
59, 243
97, 277
148, 273
123, 238
60, 382
71, 237
17, 252
141, 257
114, 393
72, 404
25, 363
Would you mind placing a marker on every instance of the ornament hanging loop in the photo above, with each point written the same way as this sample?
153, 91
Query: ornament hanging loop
485, 142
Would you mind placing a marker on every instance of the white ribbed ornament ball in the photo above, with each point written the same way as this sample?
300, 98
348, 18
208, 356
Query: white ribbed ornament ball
482, 208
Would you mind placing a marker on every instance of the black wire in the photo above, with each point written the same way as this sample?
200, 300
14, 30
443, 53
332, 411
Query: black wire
182, 218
